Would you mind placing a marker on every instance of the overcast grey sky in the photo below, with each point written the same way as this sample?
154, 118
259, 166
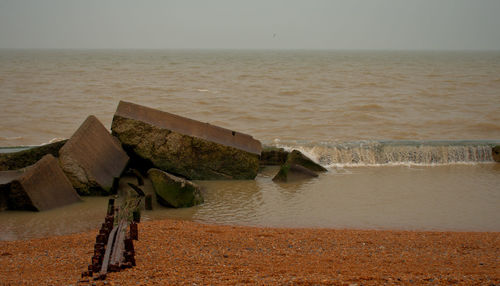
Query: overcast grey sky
252, 24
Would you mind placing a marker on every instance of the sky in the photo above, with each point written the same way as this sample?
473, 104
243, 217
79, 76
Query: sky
251, 24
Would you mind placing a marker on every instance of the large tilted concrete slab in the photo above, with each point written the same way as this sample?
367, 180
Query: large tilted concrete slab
189, 127
184, 146
39, 187
92, 158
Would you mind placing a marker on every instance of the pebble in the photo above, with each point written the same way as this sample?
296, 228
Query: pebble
169, 253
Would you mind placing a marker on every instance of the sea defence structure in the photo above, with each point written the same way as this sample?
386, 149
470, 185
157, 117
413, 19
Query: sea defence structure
39, 187
28, 156
172, 191
183, 146
92, 159
390, 152
298, 167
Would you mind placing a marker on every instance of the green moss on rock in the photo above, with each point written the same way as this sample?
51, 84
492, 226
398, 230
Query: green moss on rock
188, 156
293, 172
298, 167
173, 191
25, 158
271, 155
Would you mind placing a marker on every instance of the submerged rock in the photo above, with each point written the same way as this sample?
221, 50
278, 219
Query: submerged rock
173, 191
298, 167
25, 158
293, 172
183, 146
39, 187
296, 157
496, 153
273, 156
92, 159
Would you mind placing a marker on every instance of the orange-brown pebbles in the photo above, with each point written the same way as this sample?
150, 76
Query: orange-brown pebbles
171, 252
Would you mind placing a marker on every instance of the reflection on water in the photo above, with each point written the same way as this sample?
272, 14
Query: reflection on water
81, 216
450, 197
458, 197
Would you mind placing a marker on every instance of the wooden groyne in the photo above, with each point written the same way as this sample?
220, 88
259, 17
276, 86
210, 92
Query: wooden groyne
114, 248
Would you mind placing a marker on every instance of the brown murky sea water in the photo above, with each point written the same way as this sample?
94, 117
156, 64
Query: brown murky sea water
407, 136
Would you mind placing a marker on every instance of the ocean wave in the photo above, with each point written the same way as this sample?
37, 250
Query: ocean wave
53, 140
394, 153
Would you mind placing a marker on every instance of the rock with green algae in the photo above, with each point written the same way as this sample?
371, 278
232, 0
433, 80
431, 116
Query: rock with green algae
495, 152
273, 156
298, 167
293, 172
186, 147
28, 157
173, 191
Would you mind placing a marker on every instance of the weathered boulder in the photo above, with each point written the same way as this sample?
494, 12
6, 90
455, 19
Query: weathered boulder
92, 159
39, 187
273, 156
496, 153
25, 158
297, 167
173, 191
183, 146
293, 172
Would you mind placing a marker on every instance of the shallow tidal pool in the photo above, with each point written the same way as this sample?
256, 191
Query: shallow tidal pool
460, 197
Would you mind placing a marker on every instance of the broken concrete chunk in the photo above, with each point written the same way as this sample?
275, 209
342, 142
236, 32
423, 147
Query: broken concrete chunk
185, 147
173, 191
25, 158
39, 187
273, 156
293, 172
92, 158
296, 167
296, 157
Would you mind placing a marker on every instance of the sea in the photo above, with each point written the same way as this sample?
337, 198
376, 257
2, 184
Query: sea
406, 135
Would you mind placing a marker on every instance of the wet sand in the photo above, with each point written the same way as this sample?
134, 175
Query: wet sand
173, 252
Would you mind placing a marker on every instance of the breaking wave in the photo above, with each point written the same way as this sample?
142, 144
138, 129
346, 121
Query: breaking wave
381, 153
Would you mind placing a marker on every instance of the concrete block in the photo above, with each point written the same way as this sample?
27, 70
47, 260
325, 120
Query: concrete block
39, 187
92, 158
185, 147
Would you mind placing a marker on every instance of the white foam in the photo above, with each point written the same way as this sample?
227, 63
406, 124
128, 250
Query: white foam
393, 153
53, 140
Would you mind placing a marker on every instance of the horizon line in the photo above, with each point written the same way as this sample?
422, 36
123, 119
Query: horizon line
249, 49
